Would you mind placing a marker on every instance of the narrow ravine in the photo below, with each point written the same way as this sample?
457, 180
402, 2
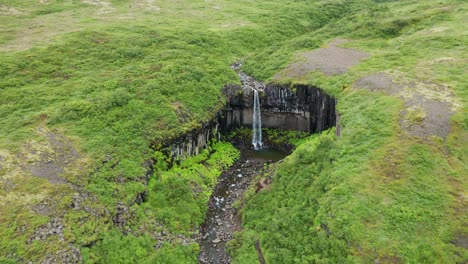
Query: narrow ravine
256, 106
222, 220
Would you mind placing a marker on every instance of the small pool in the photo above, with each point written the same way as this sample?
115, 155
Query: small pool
265, 154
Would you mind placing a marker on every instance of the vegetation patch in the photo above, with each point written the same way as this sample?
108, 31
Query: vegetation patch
110, 80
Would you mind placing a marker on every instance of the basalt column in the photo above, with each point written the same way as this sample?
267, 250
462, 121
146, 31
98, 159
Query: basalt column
297, 107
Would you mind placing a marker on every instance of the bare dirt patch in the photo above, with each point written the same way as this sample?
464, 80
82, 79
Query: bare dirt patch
52, 157
330, 60
9, 11
433, 120
147, 5
104, 7
40, 30
428, 106
379, 82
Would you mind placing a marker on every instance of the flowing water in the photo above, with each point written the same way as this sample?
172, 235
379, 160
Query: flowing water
257, 123
222, 220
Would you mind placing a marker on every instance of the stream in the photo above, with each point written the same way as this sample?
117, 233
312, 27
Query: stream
222, 220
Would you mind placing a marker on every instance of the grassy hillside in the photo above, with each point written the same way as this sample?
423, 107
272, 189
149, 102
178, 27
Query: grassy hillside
378, 193
87, 86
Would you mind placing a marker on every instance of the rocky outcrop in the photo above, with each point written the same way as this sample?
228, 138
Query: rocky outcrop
289, 107
292, 107
193, 142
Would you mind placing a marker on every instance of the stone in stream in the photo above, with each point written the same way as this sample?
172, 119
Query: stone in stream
223, 219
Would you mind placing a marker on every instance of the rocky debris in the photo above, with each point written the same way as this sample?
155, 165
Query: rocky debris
121, 215
331, 60
77, 202
167, 237
82, 201
250, 83
44, 208
142, 196
54, 227
222, 219
69, 254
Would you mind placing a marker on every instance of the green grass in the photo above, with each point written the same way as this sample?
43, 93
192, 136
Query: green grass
180, 195
372, 194
176, 205
117, 83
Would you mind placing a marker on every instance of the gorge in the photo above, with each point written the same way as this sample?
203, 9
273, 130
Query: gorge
294, 107
144, 131
251, 105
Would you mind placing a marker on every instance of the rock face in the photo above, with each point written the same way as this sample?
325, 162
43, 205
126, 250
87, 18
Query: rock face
193, 142
297, 107
291, 107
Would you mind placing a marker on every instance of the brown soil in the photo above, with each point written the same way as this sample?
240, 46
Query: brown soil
436, 121
9, 11
53, 157
428, 106
40, 30
379, 82
147, 5
331, 60
103, 7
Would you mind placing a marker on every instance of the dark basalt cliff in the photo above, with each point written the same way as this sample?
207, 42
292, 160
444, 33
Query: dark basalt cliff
193, 142
296, 107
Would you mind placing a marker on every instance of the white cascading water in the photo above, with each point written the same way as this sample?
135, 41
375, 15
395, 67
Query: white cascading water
257, 123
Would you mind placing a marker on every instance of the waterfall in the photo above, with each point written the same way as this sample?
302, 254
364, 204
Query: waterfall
257, 123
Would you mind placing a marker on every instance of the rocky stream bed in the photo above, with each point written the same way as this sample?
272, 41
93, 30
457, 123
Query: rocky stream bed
222, 219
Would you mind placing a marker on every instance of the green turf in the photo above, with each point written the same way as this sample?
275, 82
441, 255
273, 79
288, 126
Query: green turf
118, 78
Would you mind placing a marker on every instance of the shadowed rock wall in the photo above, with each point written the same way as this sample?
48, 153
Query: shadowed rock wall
299, 107
193, 142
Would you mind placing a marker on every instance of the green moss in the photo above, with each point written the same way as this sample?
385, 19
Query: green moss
179, 196
415, 115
